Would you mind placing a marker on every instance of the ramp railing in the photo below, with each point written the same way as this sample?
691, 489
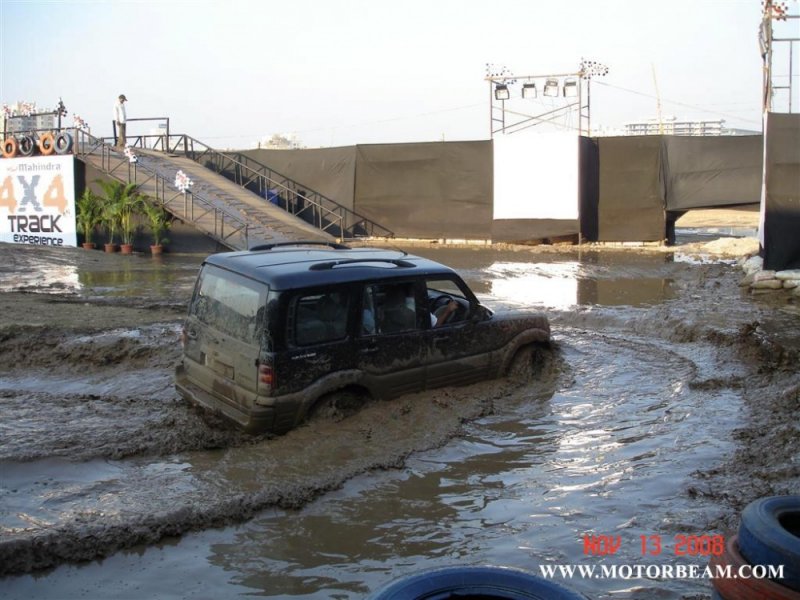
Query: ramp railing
313, 207
211, 216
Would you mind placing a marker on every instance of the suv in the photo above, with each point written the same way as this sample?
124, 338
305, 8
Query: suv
277, 332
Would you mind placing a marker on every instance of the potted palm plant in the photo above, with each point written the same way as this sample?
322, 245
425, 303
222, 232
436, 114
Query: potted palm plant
121, 204
89, 216
129, 206
159, 223
110, 220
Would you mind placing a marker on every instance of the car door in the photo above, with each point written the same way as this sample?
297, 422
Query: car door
319, 342
390, 350
458, 352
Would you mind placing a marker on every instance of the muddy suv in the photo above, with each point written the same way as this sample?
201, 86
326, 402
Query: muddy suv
279, 332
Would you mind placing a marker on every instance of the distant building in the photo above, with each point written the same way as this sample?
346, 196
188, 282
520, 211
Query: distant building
277, 141
675, 126
22, 123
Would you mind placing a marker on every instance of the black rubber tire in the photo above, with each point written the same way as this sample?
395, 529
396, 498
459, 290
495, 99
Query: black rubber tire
63, 143
769, 534
337, 406
487, 583
27, 146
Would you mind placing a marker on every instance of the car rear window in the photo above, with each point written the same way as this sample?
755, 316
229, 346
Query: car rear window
230, 303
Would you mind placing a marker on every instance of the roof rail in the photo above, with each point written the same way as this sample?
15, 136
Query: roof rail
333, 245
398, 262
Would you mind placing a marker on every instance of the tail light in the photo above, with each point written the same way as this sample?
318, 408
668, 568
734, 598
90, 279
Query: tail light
266, 379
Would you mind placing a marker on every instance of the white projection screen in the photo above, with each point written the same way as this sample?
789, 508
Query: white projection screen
536, 176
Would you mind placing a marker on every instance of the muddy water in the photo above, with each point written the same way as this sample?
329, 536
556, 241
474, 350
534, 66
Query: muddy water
113, 487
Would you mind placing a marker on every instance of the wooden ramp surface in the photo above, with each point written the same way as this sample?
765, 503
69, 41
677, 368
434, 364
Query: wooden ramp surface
220, 208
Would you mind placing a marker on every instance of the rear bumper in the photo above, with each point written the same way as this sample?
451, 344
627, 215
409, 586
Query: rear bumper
256, 419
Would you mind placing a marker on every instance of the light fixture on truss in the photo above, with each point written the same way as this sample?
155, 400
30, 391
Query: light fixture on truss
529, 90
551, 88
501, 92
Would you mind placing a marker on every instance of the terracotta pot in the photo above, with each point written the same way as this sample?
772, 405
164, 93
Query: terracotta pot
126, 248
110, 247
88, 245
157, 249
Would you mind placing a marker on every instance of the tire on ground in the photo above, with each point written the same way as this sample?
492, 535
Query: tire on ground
769, 534
486, 583
734, 588
337, 406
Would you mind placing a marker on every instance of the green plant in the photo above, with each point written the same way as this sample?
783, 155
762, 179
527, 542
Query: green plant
121, 203
158, 221
89, 214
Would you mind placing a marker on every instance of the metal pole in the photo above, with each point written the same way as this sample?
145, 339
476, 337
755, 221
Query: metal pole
588, 108
791, 55
491, 112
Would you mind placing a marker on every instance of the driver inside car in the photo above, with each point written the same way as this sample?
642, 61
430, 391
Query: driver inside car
442, 314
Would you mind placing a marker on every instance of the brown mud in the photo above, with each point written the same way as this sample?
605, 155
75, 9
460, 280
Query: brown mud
86, 378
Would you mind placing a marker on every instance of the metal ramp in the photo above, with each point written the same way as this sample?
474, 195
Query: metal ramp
225, 211
294, 197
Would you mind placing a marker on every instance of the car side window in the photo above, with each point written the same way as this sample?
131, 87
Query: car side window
320, 318
446, 302
392, 307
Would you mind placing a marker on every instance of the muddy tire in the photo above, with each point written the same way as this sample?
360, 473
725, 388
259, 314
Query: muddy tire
529, 362
337, 406
729, 588
487, 583
769, 535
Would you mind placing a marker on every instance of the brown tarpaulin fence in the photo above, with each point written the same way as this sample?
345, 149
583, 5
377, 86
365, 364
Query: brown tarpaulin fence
632, 185
643, 177
427, 190
444, 189
782, 217
713, 171
329, 171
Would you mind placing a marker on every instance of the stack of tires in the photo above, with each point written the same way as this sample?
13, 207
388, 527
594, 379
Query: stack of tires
483, 583
47, 144
769, 536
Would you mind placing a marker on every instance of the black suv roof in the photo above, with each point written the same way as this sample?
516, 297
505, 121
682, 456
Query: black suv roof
306, 264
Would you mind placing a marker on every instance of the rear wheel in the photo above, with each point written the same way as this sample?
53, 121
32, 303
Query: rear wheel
337, 406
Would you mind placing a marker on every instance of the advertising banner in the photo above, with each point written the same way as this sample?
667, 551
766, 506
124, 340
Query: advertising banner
37, 201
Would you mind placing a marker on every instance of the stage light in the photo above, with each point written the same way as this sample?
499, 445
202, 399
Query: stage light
501, 92
551, 88
529, 90
571, 87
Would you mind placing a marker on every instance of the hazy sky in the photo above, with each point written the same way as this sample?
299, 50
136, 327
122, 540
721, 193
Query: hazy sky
340, 72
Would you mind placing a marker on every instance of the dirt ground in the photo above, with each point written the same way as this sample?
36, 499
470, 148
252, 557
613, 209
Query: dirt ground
50, 330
